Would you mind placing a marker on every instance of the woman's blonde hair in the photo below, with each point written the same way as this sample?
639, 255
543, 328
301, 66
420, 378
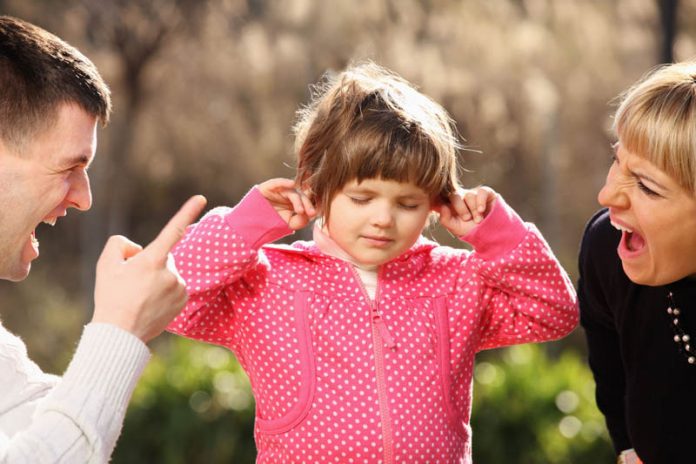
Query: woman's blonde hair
366, 122
657, 120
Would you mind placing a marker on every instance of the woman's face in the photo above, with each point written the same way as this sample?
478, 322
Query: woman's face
657, 218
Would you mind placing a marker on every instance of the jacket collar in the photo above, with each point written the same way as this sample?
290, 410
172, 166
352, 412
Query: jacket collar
312, 250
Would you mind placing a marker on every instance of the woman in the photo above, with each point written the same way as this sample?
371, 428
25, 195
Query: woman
637, 285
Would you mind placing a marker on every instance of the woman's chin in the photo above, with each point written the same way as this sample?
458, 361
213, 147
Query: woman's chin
649, 275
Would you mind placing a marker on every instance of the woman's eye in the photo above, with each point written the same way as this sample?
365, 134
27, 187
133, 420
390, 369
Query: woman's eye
409, 207
647, 190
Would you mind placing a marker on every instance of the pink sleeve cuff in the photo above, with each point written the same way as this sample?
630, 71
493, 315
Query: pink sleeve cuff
500, 232
256, 221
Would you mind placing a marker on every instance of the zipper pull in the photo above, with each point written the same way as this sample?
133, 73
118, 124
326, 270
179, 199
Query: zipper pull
383, 331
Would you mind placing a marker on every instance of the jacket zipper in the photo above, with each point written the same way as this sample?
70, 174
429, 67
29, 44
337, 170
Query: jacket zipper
380, 338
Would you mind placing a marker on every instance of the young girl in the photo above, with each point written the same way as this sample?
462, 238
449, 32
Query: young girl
360, 344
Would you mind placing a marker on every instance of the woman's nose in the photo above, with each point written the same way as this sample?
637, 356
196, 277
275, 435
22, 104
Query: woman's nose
611, 195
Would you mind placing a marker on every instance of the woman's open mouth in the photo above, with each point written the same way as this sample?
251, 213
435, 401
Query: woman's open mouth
632, 243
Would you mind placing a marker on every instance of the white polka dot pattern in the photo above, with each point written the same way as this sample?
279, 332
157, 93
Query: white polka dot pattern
327, 386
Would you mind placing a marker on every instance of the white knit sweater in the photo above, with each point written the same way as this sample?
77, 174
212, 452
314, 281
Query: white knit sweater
74, 419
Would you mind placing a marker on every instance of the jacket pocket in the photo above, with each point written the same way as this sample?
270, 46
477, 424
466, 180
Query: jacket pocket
443, 343
298, 412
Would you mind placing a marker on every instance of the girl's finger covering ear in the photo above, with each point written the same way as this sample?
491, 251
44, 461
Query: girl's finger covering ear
296, 201
483, 196
459, 207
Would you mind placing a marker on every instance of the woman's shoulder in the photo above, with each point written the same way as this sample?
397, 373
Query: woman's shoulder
600, 239
601, 271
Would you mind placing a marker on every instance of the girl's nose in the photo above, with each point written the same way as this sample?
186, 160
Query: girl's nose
383, 217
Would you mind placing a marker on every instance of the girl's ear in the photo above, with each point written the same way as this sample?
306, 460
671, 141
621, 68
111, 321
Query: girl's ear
435, 204
307, 191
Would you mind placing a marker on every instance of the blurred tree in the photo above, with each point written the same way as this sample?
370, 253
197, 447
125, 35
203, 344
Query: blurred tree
135, 32
668, 23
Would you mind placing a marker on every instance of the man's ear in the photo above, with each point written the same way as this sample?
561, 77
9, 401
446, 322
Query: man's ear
7, 149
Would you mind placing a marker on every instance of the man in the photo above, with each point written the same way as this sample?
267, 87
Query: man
51, 98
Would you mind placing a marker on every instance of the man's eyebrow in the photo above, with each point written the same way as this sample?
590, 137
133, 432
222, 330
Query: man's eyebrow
79, 160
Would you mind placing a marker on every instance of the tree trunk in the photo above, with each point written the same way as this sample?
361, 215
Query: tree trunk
668, 29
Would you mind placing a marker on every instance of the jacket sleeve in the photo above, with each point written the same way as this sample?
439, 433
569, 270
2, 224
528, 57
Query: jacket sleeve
600, 330
220, 258
76, 418
525, 294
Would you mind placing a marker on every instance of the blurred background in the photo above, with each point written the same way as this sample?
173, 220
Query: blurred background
205, 93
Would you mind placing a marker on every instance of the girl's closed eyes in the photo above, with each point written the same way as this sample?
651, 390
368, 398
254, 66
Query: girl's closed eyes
364, 201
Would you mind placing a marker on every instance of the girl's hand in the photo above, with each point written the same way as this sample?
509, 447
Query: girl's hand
466, 209
291, 204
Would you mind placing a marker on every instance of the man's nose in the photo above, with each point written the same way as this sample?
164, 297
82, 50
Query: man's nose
80, 194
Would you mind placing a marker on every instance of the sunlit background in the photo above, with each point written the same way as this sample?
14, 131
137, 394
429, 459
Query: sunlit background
205, 93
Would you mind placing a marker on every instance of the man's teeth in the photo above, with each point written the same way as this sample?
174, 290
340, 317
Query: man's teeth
619, 227
51, 222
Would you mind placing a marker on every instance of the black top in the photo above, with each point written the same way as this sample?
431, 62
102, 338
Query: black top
645, 386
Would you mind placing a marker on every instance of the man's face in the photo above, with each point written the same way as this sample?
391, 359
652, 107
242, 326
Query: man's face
41, 183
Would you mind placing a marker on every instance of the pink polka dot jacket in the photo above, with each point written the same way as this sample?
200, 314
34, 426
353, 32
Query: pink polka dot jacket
339, 378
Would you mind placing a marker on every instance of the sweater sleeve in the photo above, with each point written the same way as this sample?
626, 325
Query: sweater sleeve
78, 417
525, 293
600, 330
218, 258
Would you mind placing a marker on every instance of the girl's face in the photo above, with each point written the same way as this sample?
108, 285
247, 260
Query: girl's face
376, 220
657, 218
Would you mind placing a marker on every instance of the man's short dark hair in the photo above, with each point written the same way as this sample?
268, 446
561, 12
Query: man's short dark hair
38, 73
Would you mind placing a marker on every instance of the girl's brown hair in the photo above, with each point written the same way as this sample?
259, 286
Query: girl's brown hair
367, 122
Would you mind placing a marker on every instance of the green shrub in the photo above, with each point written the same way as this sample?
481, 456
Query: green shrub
530, 409
193, 405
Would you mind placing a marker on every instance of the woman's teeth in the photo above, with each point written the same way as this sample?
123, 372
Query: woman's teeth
622, 228
51, 222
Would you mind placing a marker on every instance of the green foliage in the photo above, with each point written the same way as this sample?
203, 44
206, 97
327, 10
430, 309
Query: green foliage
194, 405
531, 409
